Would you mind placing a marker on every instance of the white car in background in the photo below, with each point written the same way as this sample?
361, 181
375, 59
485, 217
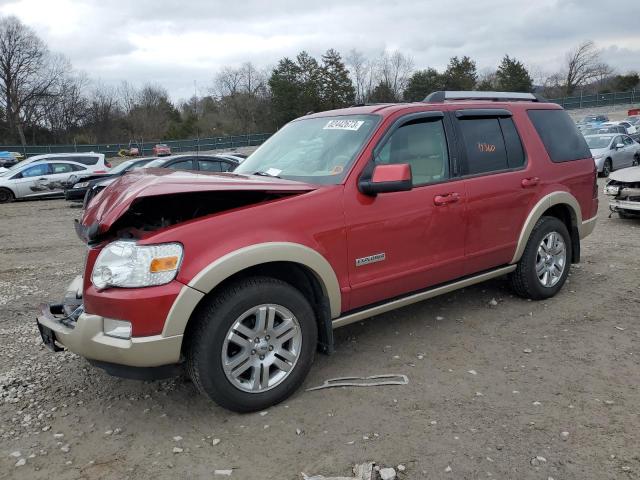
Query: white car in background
95, 162
38, 179
612, 152
628, 127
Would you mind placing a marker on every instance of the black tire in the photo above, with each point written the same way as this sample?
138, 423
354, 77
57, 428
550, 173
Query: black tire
6, 195
524, 279
626, 216
212, 323
607, 168
636, 160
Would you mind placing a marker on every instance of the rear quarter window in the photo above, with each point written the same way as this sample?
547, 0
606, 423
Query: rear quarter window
560, 136
88, 160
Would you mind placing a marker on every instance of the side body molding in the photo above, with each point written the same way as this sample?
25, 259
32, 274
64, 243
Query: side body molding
244, 258
536, 212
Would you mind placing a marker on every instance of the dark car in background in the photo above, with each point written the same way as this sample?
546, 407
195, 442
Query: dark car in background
78, 186
203, 163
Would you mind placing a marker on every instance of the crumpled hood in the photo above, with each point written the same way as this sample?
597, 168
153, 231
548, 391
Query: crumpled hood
115, 200
626, 175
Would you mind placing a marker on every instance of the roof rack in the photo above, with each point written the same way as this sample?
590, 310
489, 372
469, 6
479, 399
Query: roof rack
441, 96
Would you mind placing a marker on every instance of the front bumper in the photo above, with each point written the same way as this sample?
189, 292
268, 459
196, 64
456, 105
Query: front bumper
616, 205
75, 194
85, 336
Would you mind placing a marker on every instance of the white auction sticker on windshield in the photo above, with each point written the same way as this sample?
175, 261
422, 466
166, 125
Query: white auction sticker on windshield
274, 172
343, 125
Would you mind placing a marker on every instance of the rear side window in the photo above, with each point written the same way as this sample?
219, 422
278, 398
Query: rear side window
61, 168
560, 136
88, 160
182, 165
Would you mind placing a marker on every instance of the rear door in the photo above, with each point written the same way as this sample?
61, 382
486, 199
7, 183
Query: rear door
499, 186
630, 150
401, 242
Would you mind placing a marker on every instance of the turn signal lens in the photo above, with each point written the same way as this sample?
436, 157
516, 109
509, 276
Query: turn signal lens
163, 264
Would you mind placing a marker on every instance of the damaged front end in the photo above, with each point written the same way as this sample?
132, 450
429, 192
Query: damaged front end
623, 188
139, 203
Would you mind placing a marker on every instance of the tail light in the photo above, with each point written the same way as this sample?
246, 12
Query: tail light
108, 164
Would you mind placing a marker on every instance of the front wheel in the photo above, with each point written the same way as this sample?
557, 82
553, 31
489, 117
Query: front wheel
636, 160
607, 168
546, 261
252, 344
6, 195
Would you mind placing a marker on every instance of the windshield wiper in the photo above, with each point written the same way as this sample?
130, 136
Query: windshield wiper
264, 174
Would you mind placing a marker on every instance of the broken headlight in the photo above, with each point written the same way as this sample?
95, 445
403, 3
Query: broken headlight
129, 265
611, 190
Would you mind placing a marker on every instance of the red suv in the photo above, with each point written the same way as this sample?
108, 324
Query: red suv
239, 277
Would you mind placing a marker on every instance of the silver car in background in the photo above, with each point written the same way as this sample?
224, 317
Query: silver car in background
612, 152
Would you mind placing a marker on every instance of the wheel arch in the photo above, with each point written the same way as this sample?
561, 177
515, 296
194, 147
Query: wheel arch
10, 190
561, 205
302, 267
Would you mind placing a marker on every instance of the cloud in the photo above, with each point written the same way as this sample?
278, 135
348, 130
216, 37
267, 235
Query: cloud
177, 42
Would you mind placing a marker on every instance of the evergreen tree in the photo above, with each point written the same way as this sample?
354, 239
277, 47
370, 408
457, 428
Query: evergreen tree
337, 89
512, 76
383, 93
460, 74
285, 91
422, 83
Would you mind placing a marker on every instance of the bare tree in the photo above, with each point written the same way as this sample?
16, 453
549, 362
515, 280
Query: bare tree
584, 65
28, 73
395, 69
66, 112
360, 69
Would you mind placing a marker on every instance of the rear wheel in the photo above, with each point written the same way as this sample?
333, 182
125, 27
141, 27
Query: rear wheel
253, 344
6, 195
546, 261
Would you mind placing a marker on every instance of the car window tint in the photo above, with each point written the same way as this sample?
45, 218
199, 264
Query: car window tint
227, 166
628, 140
209, 166
560, 136
36, 171
88, 160
484, 145
616, 141
513, 144
181, 165
61, 168
77, 168
422, 144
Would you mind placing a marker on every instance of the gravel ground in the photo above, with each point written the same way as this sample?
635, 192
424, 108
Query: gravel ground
499, 387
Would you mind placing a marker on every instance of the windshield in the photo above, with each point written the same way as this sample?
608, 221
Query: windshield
598, 142
122, 167
316, 150
155, 163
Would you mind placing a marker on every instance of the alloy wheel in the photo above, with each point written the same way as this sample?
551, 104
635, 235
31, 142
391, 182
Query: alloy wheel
551, 259
261, 348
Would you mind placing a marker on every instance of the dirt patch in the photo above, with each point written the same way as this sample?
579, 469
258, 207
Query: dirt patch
504, 389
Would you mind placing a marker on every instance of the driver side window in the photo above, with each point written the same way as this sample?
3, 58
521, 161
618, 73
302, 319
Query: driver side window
36, 171
422, 144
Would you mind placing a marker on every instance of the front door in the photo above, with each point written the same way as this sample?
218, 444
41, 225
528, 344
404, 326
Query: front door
32, 181
401, 242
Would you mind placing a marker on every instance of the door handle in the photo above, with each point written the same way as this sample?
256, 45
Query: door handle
445, 199
41, 179
530, 182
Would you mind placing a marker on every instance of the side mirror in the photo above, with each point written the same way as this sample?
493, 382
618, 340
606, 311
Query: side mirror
387, 178
619, 146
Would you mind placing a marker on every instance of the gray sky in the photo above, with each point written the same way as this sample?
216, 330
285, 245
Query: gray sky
176, 42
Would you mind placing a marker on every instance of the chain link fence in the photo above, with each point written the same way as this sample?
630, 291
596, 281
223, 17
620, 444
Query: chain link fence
146, 148
598, 100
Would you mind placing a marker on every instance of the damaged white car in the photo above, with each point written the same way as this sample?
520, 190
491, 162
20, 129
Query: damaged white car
624, 189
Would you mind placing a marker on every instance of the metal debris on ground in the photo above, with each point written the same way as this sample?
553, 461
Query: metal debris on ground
372, 381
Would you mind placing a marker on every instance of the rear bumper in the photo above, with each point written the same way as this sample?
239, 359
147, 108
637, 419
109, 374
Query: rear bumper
587, 226
85, 336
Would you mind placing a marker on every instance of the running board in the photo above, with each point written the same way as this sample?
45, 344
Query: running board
418, 297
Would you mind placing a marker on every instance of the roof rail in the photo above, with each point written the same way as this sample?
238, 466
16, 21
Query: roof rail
441, 96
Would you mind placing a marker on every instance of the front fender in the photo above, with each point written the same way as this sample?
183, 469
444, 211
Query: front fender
231, 263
